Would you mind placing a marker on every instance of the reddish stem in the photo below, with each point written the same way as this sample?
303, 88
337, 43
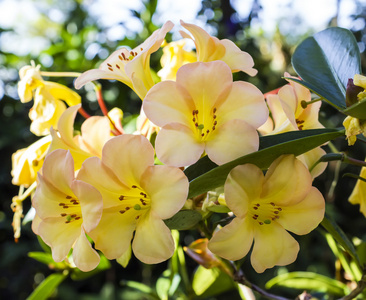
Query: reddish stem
84, 113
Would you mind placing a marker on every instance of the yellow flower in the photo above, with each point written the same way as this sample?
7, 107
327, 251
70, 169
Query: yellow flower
174, 56
28, 161
137, 197
66, 210
266, 207
210, 48
204, 111
354, 127
358, 195
289, 115
95, 131
131, 67
48, 105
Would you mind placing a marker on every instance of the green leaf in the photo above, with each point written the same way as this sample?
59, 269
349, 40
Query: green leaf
357, 110
309, 281
337, 233
46, 258
184, 220
47, 287
326, 61
222, 209
142, 288
294, 142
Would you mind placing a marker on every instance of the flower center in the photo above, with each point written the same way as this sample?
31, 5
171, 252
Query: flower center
265, 213
204, 123
136, 202
72, 206
300, 124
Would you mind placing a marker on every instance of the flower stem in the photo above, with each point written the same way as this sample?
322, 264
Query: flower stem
361, 285
84, 113
60, 74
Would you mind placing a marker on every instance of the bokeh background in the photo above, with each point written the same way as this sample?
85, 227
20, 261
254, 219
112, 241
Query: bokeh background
76, 35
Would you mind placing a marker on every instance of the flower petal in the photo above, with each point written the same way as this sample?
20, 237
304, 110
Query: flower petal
114, 232
233, 241
91, 203
273, 245
84, 256
358, 195
306, 215
231, 140
60, 236
243, 185
128, 156
153, 242
62, 92
289, 102
310, 158
167, 188
176, 145
287, 181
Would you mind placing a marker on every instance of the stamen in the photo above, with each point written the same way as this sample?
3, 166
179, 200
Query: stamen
118, 67
68, 197
124, 56
121, 197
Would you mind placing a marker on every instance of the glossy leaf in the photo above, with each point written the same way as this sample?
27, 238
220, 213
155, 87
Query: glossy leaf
357, 110
294, 142
309, 281
326, 61
47, 287
183, 220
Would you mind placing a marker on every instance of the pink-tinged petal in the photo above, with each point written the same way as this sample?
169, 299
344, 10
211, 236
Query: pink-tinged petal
60, 236
168, 102
289, 103
153, 242
167, 188
231, 140
84, 256
58, 168
177, 146
206, 83
267, 127
104, 73
304, 216
287, 181
91, 203
114, 232
233, 241
243, 185
281, 122
273, 246
95, 132
35, 223
237, 59
47, 199
103, 179
128, 156
310, 158
245, 102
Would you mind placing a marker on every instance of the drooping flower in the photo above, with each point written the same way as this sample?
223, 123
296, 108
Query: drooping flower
266, 207
137, 197
48, 99
174, 56
204, 111
28, 161
66, 210
210, 48
287, 114
358, 195
95, 131
131, 67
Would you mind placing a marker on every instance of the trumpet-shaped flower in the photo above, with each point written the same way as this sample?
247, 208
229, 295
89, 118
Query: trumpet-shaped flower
137, 197
131, 67
174, 56
95, 131
66, 210
266, 207
48, 105
204, 111
210, 48
289, 115
358, 195
27, 162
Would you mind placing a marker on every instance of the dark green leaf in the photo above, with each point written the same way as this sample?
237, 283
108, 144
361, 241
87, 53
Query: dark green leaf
46, 258
309, 281
183, 220
294, 142
357, 110
47, 287
326, 61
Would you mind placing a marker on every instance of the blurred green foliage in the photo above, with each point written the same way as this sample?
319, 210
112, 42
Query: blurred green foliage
77, 41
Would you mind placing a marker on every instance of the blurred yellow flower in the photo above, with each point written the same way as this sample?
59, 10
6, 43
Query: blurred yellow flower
266, 207
358, 195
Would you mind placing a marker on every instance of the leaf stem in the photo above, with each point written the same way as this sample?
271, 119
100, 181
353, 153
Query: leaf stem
361, 285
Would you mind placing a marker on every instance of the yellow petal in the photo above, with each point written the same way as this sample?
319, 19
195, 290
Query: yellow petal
358, 195
153, 242
273, 245
233, 241
62, 92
